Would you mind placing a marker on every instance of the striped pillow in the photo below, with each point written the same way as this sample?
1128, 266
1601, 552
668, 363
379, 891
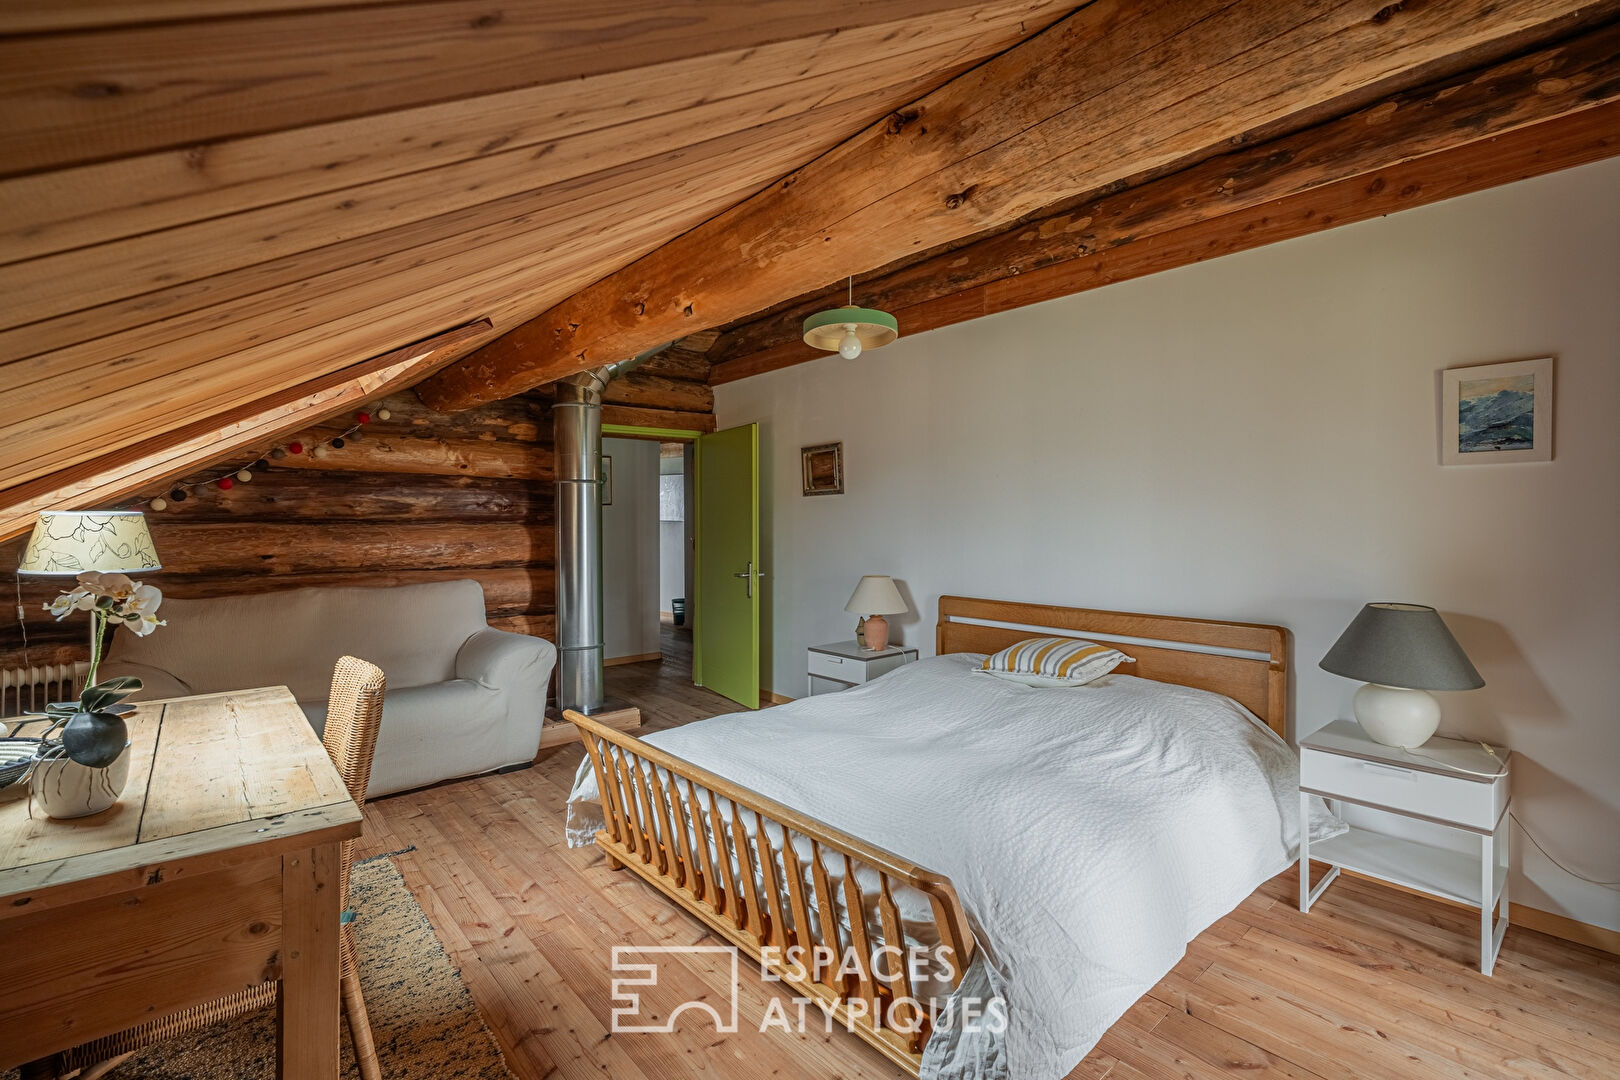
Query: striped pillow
1053, 661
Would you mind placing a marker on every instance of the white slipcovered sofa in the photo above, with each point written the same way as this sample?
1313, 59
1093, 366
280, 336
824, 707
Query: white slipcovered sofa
462, 698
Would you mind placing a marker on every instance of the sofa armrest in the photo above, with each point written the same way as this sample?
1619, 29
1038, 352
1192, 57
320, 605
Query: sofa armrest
503, 660
156, 683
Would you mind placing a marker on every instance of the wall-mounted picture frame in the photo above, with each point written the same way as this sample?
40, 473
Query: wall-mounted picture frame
607, 480
1494, 414
823, 469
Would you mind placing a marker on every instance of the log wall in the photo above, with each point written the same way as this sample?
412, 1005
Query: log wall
419, 497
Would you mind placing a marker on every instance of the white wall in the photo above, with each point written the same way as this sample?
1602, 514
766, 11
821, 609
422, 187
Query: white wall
1254, 438
630, 550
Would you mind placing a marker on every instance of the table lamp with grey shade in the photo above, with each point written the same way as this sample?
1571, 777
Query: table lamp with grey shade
1401, 651
874, 598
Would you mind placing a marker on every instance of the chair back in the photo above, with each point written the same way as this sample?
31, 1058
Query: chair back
353, 718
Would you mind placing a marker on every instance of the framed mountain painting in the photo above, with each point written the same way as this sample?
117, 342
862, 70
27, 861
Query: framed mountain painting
1497, 413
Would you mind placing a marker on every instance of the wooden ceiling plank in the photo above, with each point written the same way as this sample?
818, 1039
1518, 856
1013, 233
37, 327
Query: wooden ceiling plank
1573, 139
171, 454
97, 94
649, 109
1575, 74
668, 193
952, 165
57, 284
53, 440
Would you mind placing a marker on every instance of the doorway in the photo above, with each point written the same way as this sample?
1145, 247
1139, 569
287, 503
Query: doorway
676, 551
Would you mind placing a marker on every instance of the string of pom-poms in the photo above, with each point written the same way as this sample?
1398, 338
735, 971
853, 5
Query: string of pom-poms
225, 481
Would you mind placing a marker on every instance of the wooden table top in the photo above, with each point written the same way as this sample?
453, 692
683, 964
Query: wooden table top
208, 775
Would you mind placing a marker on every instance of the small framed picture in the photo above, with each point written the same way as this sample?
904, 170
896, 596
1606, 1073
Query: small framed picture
824, 469
1497, 413
607, 480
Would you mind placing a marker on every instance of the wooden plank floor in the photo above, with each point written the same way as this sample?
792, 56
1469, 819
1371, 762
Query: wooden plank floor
1373, 983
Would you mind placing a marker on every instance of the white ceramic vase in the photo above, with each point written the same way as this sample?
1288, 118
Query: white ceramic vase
65, 789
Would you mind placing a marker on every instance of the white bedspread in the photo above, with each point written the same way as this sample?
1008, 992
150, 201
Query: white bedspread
1091, 832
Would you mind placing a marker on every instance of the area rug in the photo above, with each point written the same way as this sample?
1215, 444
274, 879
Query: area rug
423, 1019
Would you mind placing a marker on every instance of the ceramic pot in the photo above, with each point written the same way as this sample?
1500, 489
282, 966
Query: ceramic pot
95, 739
65, 789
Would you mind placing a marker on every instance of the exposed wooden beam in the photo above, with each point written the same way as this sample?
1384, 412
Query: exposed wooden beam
1553, 96
99, 480
1113, 92
1577, 139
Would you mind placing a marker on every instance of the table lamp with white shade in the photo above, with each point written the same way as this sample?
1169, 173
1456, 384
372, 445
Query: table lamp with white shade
874, 598
69, 543
1401, 652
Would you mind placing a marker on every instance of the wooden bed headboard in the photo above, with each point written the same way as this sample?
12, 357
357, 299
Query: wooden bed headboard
1166, 648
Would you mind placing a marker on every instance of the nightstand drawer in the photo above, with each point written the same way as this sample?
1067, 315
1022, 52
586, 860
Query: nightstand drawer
848, 670
1475, 804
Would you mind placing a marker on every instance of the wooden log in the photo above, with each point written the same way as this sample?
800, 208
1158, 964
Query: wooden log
626, 416
1576, 139
535, 624
507, 590
1574, 75
523, 419
267, 550
680, 361
651, 391
308, 495
1110, 93
430, 456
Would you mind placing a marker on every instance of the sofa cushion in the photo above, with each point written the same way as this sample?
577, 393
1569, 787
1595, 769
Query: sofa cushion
294, 637
432, 732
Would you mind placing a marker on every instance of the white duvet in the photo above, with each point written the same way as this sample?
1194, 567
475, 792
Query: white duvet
1091, 832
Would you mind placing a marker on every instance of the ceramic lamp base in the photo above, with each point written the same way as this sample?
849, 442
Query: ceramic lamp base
877, 633
1395, 716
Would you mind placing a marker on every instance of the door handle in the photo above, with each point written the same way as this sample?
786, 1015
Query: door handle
748, 576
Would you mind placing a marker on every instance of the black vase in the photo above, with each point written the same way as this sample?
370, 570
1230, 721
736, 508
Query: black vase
95, 739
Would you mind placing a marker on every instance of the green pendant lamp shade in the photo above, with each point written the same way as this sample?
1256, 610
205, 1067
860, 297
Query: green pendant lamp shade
849, 331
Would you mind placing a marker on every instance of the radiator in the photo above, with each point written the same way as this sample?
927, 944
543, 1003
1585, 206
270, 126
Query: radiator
30, 689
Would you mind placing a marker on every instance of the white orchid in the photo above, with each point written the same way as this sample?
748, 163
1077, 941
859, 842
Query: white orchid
110, 598
114, 586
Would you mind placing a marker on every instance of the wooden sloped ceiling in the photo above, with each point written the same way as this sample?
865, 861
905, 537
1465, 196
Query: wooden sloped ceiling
1114, 95
204, 204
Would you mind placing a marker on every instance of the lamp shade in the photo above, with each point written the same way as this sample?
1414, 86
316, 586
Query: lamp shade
68, 542
873, 328
876, 595
1405, 645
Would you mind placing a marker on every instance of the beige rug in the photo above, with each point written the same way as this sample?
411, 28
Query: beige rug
422, 1017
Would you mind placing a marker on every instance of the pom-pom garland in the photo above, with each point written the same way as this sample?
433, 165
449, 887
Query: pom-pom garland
244, 474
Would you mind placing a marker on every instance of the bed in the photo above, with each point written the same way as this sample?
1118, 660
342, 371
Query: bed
1039, 857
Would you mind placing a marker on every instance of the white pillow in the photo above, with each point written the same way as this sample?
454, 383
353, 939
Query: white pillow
1053, 661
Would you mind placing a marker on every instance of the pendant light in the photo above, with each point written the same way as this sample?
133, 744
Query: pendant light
849, 330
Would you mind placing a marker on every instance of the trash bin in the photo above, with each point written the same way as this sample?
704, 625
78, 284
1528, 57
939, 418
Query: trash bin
679, 607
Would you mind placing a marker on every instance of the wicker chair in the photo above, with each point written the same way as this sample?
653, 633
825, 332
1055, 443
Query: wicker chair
352, 719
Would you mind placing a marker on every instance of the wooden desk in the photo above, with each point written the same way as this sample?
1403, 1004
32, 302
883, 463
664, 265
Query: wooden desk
217, 870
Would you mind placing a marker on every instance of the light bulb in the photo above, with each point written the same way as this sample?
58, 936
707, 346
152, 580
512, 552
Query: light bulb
849, 347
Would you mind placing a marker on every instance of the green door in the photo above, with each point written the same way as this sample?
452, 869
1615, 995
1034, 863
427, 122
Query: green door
725, 655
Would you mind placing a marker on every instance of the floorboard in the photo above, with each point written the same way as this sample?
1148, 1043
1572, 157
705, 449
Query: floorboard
1373, 983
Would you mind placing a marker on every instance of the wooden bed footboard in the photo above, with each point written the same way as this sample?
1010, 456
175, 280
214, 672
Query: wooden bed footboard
658, 807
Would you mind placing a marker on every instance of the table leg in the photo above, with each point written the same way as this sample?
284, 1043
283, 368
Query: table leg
310, 1007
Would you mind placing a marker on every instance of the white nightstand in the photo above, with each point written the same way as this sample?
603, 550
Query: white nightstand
1441, 784
844, 664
